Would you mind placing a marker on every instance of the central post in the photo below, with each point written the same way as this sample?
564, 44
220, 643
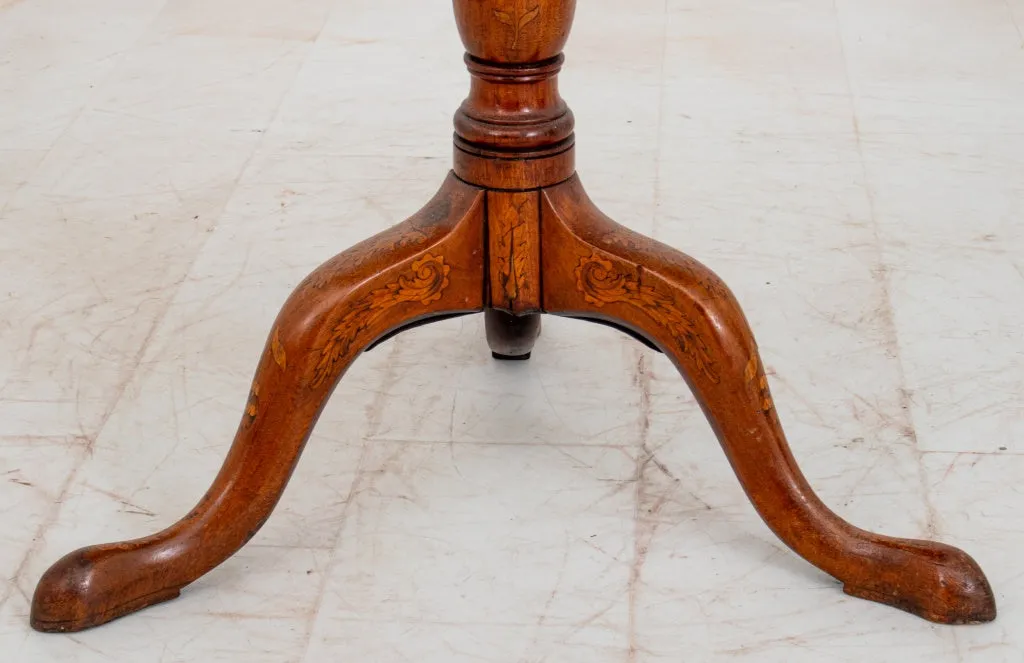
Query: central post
513, 137
514, 132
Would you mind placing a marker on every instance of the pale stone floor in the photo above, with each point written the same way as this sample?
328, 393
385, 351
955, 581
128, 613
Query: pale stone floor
170, 169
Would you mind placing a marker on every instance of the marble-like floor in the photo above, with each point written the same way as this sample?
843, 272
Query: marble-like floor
170, 169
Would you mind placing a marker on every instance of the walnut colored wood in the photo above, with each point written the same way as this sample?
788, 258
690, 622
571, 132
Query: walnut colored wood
431, 265
595, 268
514, 31
511, 233
511, 336
514, 131
502, 172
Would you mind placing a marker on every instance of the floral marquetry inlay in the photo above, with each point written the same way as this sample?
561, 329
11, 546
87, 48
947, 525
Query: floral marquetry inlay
757, 382
517, 18
601, 283
425, 282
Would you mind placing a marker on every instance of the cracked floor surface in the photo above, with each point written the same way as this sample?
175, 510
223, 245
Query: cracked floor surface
170, 169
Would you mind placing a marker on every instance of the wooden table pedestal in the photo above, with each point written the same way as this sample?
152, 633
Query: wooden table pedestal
512, 234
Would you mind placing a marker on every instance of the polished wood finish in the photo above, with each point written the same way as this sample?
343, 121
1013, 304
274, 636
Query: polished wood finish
511, 336
513, 239
511, 233
514, 131
430, 265
595, 268
514, 31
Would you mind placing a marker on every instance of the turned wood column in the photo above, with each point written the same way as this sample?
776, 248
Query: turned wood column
514, 132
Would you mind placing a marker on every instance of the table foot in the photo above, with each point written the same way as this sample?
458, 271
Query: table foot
429, 266
594, 268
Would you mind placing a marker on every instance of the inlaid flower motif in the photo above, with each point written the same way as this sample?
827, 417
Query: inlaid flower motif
520, 17
602, 282
424, 283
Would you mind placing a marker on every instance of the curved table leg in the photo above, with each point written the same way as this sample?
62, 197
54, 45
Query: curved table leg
592, 267
430, 265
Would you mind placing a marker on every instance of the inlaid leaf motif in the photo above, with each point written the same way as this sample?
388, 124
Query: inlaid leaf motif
602, 283
513, 255
277, 348
518, 19
757, 381
529, 16
424, 283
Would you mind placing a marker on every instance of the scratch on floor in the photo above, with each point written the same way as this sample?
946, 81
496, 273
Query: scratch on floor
554, 592
375, 415
645, 519
885, 309
131, 506
90, 441
1013, 19
812, 408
